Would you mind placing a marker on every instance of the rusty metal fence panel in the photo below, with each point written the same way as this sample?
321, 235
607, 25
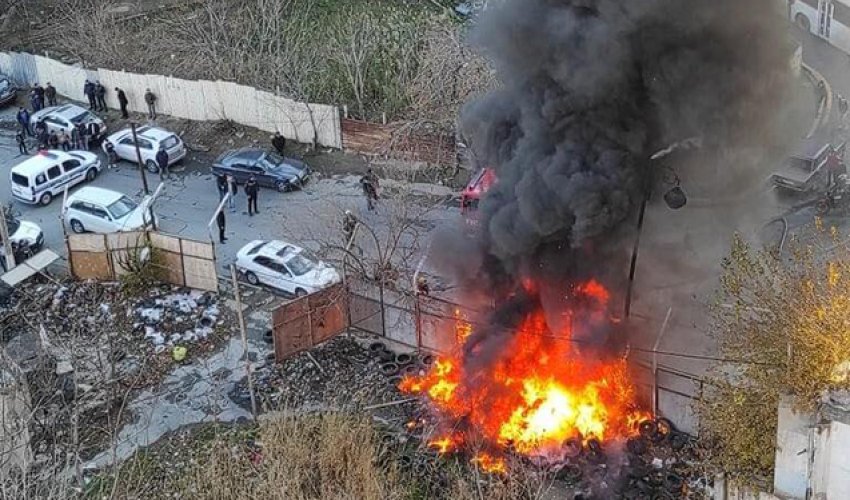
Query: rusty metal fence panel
308, 321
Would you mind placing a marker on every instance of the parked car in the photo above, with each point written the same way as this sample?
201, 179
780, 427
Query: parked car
7, 91
98, 210
272, 170
41, 177
26, 238
151, 139
811, 166
65, 117
284, 266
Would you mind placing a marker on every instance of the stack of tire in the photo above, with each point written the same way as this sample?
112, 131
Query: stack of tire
648, 478
397, 366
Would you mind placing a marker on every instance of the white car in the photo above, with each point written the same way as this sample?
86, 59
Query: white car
66, 117
151, 140
21, 232
46, 174
98, 210
285, 267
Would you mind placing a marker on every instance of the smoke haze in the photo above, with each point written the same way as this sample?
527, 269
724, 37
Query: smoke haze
591, 88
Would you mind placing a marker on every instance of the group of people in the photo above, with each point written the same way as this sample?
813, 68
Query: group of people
79, 138
39, 96
226, 184
95, 92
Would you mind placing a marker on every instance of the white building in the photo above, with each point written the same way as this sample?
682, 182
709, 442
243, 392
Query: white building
828, 19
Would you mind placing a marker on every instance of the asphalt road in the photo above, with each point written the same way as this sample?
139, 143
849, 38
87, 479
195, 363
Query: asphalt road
311, 218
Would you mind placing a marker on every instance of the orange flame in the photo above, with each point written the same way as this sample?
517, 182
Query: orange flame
535, 393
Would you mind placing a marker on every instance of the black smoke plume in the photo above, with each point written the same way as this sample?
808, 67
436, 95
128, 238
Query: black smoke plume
590, 89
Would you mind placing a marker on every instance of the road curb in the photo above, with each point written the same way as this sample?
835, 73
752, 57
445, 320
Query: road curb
825, 105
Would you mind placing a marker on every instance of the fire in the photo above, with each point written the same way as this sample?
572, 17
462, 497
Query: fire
534, 394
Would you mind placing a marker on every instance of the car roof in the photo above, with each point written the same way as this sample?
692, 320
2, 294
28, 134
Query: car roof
241, 153
270, 248
96, 195
67, 111
812, 147
153, 133
36, 163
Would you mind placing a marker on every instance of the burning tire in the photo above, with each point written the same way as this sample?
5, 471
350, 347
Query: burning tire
409, 370
427, 360
593, 444
663, 429
647, 429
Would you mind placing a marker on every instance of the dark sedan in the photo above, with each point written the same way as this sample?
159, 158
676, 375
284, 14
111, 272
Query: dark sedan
270, 169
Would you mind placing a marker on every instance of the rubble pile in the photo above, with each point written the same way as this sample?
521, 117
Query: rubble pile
342, 373
180, 317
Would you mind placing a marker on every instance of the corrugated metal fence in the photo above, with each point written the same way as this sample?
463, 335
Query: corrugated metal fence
190, 99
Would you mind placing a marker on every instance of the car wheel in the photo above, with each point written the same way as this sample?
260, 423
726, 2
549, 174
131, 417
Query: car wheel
252, 278
46, 198
300, 292
91, 174
152, 167
282, 186
77, 226
803, 22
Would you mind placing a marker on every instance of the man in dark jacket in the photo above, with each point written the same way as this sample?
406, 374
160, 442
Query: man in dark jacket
100, 95
150, 100
252, 189
24, 120
75, 138
219, 219
50, 94
221, 185
162, 161
122, 102
39, 95
34, 101
279, 143
88, 90
22, 144
83, 137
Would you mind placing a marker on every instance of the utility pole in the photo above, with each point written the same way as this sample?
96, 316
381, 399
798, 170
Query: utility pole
139, 158
7, 243
238, 296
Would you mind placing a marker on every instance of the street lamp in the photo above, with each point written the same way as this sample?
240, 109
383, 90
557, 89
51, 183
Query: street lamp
675, 198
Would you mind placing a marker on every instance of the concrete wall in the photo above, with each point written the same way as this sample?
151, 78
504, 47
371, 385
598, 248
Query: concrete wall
792, 445
190, 99
831, 465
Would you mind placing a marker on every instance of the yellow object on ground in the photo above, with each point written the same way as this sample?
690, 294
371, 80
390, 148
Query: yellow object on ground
179, 353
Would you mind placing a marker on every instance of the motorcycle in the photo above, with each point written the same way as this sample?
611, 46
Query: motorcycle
837, 197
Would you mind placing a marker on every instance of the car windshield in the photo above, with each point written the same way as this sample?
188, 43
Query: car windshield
801, 164
300, 265
170, 141
256, 248
82, 117
122, 207
12, 224
271, 162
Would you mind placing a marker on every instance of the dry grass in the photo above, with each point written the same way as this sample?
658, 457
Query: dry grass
328, 456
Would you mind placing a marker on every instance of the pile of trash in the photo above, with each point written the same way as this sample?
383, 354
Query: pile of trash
173, 317
340, 374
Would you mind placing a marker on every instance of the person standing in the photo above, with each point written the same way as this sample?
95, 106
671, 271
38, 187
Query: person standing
23, 117
111, 156
233, 189
88, 90
53, 141
279, 143
50, 94
252, 190
150, 100
221, 185
39, 95
219, 219
162, 161
64, 141
92, 132
22, 143
84, 137
100, 95
34, 101
75, 137
122, 102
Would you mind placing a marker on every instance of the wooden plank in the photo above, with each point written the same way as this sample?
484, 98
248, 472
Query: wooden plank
87, 242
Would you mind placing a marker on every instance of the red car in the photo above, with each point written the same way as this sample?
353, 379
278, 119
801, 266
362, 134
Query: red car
478, 186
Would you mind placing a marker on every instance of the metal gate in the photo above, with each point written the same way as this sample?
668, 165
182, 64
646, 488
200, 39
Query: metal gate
308, 321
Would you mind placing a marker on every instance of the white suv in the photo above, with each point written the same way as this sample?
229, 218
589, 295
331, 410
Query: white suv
151, 139
101, 210
65, 117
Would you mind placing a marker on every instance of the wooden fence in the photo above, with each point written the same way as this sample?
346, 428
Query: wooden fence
400, 141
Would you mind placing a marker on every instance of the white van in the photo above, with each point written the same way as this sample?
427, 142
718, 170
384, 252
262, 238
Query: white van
40, 178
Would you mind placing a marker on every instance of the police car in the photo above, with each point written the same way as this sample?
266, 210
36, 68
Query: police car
65, 118
38, 179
